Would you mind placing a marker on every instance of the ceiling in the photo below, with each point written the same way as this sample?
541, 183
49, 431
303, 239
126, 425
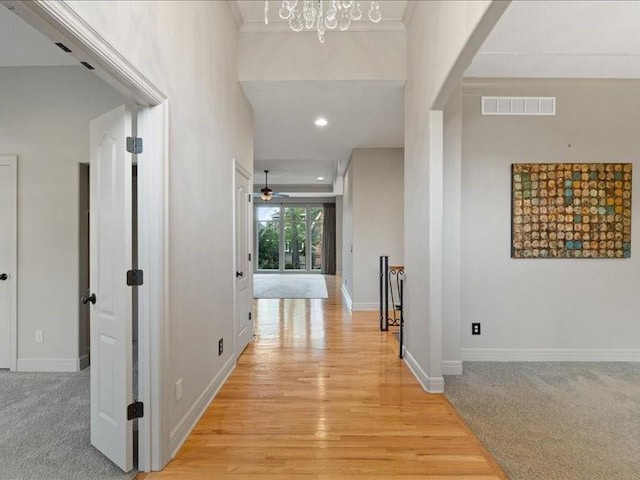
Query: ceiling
252, 14
568, 39
21, 45
360, 114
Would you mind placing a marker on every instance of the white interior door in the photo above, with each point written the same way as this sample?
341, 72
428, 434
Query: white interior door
8, 259
244, 291
111, 315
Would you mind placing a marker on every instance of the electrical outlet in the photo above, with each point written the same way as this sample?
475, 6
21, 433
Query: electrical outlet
220, 346
39, 336
475, 329
178, 390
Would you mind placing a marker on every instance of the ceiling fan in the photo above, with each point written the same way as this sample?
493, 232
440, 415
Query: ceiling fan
266, 193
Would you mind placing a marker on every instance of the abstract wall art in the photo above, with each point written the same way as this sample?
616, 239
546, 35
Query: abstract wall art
571, 210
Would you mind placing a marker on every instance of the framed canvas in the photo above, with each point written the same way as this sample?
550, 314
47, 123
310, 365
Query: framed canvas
571, 210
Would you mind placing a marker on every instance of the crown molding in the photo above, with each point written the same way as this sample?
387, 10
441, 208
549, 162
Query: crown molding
278, 27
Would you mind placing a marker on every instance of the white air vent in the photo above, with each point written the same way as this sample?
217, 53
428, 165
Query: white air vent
518, 105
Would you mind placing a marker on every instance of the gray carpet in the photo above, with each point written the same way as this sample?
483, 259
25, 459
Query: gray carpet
554, 421
289, 285
45, 429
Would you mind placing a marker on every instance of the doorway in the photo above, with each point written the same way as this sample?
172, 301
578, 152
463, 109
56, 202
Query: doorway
289, 238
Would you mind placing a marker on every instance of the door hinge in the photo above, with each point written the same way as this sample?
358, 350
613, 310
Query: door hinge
134, 145
249, 315
135, 410
249, 197
249, 257
135, 278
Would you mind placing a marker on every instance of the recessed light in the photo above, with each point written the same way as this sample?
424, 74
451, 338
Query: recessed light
321, 122
320, 179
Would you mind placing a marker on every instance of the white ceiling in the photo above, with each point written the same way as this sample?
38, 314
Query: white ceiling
252, 13
360, 114
567, 39
21, 45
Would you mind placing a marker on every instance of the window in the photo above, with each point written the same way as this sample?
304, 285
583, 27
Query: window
289, 237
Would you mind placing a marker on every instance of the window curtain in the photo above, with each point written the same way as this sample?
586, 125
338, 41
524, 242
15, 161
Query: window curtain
329, 239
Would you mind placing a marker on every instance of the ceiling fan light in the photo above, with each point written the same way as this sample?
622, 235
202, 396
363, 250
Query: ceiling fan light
266, 194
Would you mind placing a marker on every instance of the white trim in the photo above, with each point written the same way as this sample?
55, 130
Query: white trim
429, 384
12, 161
279, 27
365, 306
83, 362
452, 367
550, 355
191, 418
48, 364
58, 19
346, 298
153, 295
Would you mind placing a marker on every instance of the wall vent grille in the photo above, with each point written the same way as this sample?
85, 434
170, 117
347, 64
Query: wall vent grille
518, 105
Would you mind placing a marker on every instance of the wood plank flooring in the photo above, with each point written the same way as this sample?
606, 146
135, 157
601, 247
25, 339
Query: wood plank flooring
321, 395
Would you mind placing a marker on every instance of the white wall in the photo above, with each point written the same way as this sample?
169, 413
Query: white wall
376, 187
452, 207
339, 240
441, 38
344, 56
189, 50
347, 238
45, 121
560, 309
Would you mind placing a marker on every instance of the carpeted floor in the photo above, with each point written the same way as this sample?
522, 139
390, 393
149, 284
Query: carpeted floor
45, 429
554, 421
289, 285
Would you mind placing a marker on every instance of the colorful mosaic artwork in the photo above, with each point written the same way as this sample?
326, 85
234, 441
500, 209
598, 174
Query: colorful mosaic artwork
571, 210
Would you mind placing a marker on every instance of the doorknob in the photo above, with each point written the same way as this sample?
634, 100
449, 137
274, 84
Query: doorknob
3, 276
239, 274
89, 298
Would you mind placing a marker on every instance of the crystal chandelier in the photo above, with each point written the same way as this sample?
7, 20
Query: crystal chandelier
321, 15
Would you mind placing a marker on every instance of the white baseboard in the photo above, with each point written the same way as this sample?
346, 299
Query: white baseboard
47, 365
365, 306
346, 298
451, 367
83, 362
430, 384
191, 418
549, 355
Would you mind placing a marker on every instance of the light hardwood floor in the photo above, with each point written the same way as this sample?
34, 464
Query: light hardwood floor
320, 394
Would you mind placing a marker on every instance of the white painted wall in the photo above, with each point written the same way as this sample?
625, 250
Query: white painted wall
376, 178
344, 56
442, 38
45, 121
452, 207
347, 238
189, 50
339, 239
564, 309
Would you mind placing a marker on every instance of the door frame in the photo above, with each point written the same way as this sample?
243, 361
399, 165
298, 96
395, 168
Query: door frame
60, 23
238, 169
12, 160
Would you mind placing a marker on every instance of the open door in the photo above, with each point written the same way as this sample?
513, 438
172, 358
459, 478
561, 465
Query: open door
111, 312
244, 293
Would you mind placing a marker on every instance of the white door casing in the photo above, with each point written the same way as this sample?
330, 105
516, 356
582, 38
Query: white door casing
111, 315
8, 260
243, 275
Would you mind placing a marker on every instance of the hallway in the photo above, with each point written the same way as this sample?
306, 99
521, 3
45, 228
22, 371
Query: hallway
321, 395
